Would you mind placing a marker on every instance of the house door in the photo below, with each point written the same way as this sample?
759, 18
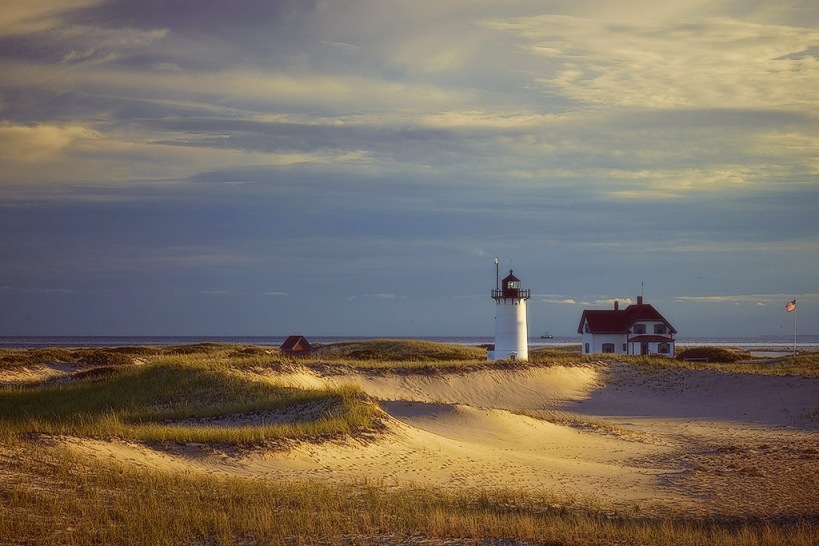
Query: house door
644, 348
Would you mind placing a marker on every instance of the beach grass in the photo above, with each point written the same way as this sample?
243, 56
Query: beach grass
51, 494
55, 496
172, 399
804, 363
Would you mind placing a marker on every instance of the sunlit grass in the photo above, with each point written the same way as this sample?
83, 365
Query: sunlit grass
805, 364
54, 496
148, 402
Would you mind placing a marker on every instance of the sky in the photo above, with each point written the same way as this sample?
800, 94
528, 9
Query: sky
352, 168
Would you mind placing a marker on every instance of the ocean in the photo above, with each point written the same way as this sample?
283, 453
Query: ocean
33, 342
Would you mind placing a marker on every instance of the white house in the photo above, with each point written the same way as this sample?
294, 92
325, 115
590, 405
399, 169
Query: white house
636, 330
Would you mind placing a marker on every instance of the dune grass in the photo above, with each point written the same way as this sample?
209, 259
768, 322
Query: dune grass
804, 364
407, 354
51, 495
54, 496
149, 402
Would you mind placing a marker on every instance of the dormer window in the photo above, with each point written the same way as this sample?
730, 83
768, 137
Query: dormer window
639, 329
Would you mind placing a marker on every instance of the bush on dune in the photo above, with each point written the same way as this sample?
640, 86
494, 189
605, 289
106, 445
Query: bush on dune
713, 354
406, 350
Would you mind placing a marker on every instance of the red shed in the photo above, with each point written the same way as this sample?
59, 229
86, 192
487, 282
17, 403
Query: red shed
296, 346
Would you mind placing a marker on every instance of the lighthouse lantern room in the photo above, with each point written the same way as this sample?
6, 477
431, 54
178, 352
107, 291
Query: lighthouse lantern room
511, 329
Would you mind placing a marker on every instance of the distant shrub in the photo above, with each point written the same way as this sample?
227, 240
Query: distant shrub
196, 348
250, 351
13, 358
405, 350
97, 373
102, 357
713, 354
557, 355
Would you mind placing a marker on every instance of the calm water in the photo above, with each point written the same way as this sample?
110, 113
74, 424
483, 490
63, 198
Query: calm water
31, 342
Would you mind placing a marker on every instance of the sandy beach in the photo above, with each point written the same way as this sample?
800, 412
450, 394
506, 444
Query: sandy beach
694, 443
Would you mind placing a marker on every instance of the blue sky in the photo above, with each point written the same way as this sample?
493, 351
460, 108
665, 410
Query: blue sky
352, 168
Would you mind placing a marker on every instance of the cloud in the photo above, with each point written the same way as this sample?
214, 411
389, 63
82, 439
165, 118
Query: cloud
34, 16
36, 290
385, 148
753, 299
381, 296
25, 144
609, 302
550, 298
671, 62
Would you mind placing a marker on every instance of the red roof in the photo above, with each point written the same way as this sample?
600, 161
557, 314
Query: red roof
296, 344
619, 321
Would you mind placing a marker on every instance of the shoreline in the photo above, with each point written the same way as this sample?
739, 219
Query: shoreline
751, 343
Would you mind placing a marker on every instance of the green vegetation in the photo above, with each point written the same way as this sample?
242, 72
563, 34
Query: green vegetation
566, 355
805, 363
399, 350
150, 402
50, 494
97, 356
712, 354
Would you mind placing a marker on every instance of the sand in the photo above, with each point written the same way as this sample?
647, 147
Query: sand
695, 443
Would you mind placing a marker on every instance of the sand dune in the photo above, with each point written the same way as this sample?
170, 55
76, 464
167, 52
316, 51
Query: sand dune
700, 442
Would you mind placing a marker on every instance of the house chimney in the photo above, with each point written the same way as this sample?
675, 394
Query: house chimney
616, 305
639, 300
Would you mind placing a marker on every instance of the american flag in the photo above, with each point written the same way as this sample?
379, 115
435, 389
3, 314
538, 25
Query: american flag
790, 306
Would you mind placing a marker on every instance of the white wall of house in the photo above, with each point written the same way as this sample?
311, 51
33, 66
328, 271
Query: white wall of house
593, 343
654, 348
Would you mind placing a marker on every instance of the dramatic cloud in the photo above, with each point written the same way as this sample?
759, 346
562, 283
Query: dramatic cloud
186, 159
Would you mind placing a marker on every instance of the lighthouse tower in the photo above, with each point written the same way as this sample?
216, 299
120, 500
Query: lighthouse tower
511, 330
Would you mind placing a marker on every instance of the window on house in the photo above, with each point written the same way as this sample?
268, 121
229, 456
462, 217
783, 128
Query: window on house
663, 348
608, 347
587, 348
639, 328
659, 328
625, 348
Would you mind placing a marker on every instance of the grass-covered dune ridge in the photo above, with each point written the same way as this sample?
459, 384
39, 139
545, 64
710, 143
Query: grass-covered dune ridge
161, 401
400, 355
58, 497
93, 447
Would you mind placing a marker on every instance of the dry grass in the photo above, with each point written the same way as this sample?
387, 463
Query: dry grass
583, 422
805, 364
52, 496
148, 402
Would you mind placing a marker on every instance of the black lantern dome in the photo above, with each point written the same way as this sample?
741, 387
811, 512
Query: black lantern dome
510, 288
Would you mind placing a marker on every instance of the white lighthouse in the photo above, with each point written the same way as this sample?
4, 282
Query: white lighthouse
511, 330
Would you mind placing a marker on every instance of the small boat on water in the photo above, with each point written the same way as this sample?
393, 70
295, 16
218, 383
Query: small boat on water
547, 335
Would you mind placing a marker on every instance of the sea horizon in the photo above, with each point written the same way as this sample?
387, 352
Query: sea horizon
34, 342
